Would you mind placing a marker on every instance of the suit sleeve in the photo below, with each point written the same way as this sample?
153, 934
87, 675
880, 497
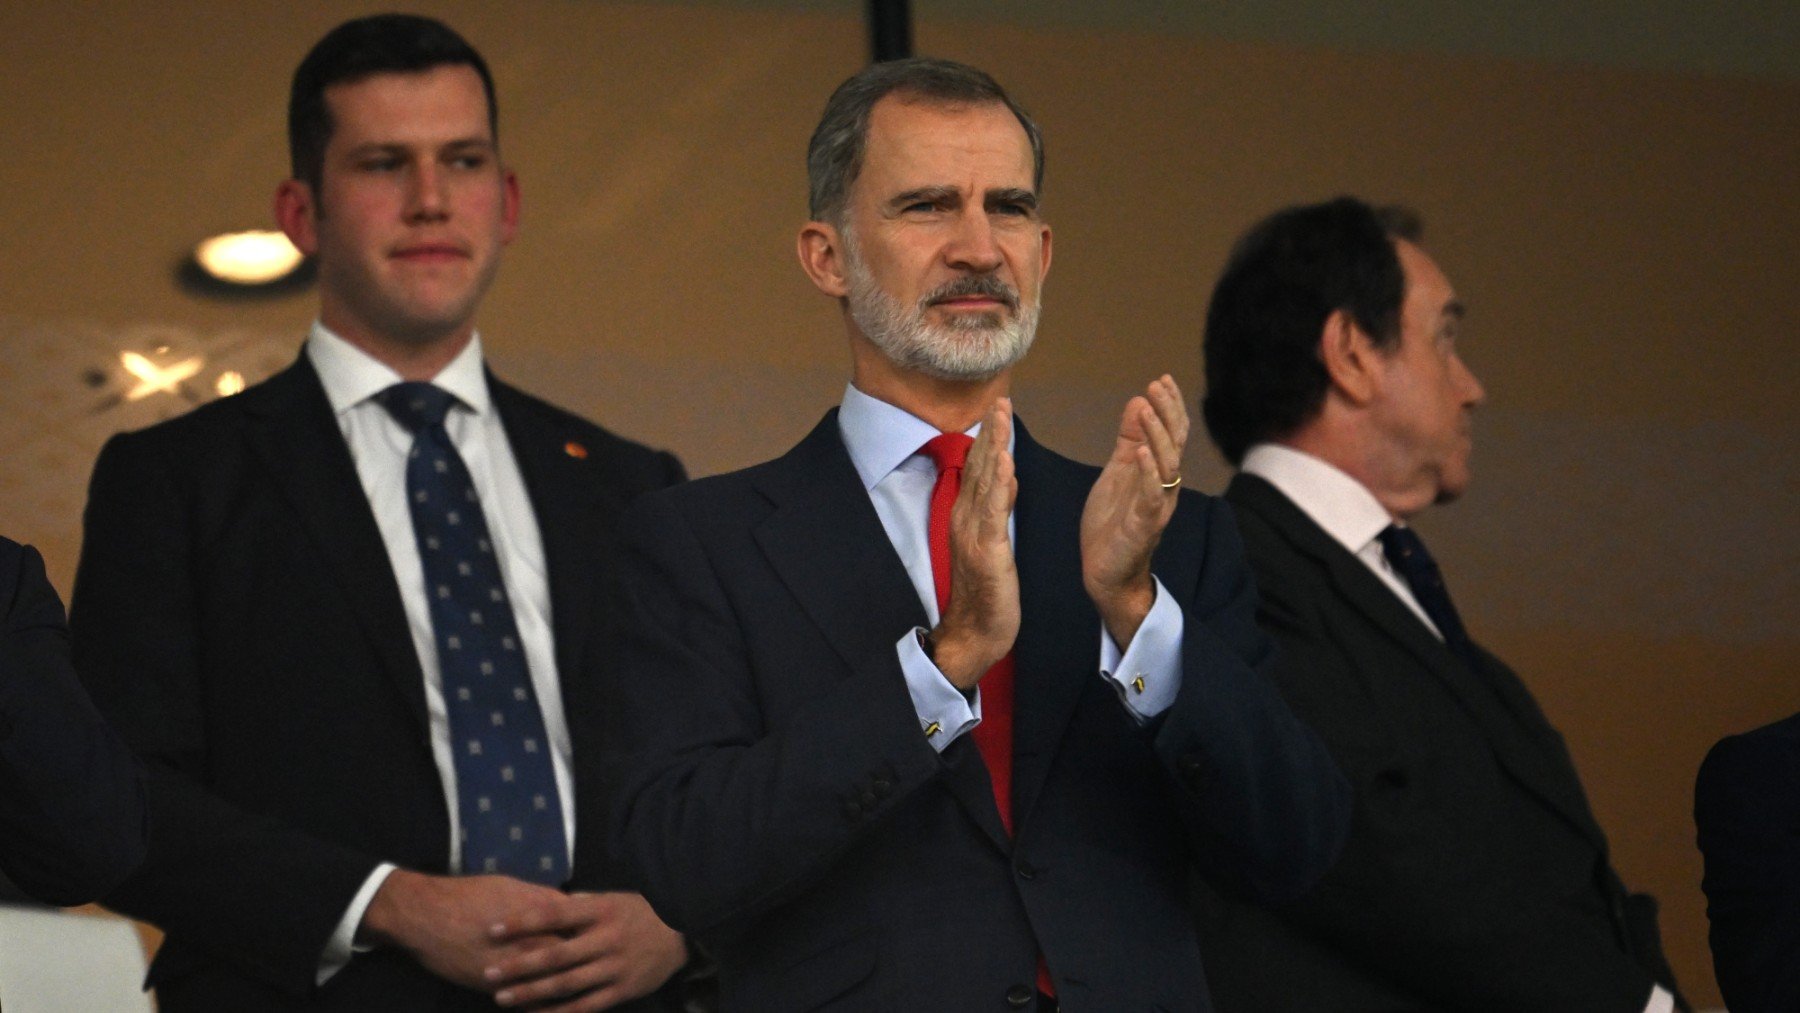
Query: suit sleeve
1750, 836
1447, 909
237, 884
1265, 803
72, 812
723, 810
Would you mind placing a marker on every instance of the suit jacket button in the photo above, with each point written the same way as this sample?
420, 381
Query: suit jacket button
853, 809
869, 797
1025, 869
882, 786
1020, 996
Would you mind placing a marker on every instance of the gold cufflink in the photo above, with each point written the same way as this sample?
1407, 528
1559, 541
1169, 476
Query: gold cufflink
932, 729
1138, 684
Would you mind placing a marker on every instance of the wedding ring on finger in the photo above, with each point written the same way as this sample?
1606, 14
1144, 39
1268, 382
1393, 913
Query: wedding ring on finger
1176, 481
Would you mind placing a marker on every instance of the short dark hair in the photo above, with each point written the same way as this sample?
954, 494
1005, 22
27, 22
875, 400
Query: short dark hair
364, 47
834, 156
1285, 277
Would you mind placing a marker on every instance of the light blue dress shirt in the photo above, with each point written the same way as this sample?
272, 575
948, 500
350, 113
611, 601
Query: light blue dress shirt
884, 443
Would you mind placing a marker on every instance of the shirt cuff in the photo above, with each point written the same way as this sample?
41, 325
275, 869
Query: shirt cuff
342, 944
1148, 675
944, 713
1661, 1001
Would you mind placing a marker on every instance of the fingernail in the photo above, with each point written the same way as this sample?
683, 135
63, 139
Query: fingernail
504, 998
491, 974
497, 929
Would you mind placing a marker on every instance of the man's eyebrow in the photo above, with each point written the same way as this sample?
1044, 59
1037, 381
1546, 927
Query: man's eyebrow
929, 194
1013, 195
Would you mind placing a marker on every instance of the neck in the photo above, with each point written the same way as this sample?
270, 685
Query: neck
1354, 456
414, 358
950, 406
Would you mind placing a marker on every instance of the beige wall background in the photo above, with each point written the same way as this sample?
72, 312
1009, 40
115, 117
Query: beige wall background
1627, 240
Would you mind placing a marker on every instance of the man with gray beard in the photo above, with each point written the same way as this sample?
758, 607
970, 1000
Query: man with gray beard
871, 756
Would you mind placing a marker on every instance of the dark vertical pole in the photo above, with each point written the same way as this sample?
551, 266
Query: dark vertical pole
890, 30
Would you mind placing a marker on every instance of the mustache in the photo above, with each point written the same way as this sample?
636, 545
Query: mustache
985, 285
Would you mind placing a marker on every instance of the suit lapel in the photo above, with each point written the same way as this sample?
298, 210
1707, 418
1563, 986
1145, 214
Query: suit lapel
570, 508
1515, 728
292, 429
1058, 644
825, 541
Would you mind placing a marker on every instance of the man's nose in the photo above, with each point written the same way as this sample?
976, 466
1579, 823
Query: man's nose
973, 246
1473, 392
425, 200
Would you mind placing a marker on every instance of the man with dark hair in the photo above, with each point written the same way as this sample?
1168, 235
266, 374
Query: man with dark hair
353, 615
1475, 877
869, 754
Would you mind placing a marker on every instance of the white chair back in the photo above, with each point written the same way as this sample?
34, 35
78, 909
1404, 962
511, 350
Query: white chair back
53, 961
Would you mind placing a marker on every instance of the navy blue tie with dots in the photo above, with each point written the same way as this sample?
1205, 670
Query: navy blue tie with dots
506, 789
1405, 552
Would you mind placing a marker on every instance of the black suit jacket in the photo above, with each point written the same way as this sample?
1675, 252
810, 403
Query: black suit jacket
1747, 807
1475, 877
779, 801
236, 616
71, 795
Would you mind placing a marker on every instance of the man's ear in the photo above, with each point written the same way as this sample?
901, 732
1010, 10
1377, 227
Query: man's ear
296, 211
1350, 358
821, 250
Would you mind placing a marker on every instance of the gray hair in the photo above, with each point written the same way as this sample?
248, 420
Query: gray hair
834, 156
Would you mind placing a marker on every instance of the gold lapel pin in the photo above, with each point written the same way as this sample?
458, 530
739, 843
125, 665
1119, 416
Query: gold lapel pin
575, 450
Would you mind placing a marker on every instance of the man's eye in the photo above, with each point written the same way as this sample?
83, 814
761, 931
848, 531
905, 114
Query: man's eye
920, 206
469, 161
379, 164
1013, 209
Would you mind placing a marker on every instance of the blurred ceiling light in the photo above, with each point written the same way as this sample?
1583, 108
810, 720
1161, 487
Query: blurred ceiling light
252, 257
152, 378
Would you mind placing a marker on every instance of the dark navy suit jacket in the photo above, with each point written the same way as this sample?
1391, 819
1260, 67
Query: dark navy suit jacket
72, 820
1747, 807
1475, 877
778, 799
236, 616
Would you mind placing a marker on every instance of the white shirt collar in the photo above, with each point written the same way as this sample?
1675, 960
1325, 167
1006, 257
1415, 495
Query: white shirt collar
1341, 505
880, 436
351, 376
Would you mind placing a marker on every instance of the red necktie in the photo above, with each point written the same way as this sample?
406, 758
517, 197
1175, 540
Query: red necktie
994, 735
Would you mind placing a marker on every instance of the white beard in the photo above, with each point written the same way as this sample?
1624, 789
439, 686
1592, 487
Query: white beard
974, 347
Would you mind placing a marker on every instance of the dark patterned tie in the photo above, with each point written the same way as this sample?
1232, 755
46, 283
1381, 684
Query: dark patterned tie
507, 801
1406, 553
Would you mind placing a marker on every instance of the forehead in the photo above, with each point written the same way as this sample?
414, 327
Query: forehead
440, 103
915, 143
1428, 291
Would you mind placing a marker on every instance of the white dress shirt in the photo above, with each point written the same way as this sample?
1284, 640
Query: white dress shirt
884, 443
379, 446
1351, 515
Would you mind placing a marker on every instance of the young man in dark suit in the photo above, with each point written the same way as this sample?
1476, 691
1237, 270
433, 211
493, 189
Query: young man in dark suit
71, 795
352, 615
872, 756
1475, 877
